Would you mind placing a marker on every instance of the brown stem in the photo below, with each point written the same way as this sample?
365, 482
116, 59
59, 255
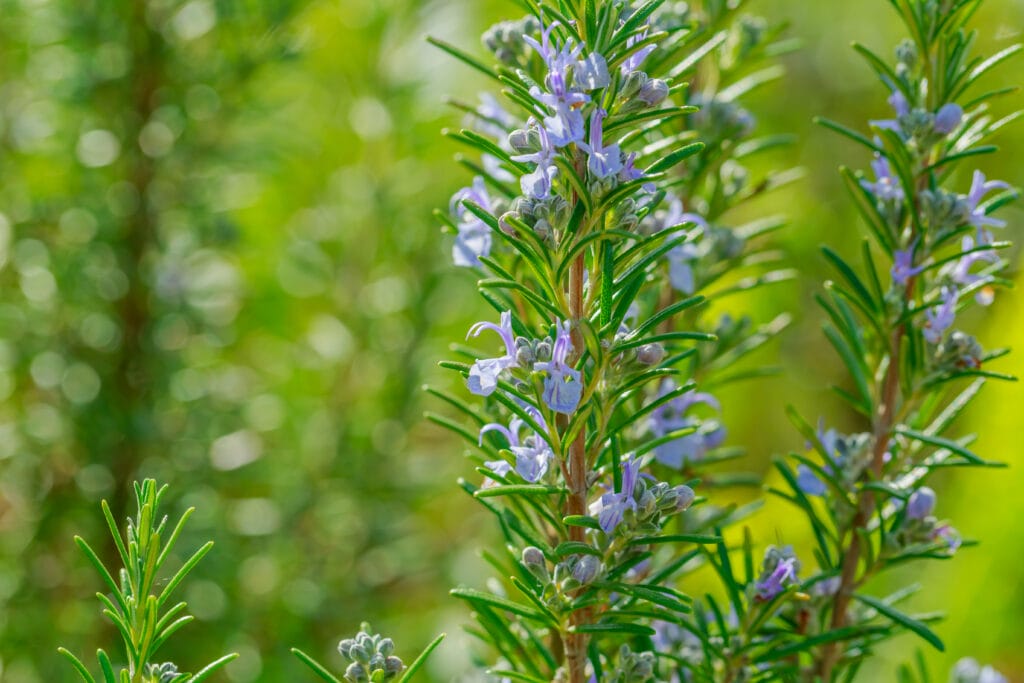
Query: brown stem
576, 504
851, 560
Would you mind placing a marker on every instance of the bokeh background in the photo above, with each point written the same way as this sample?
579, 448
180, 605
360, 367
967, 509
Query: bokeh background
218, 267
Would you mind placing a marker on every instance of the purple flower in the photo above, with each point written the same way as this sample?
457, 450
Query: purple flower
611, 507
901, 106
780, 567
633, 62
947, 118
533, 454
682, 257
948, 535
565, 125
886, 186
483, 376
474, 238
591, 72
671, 417
500, 468
921, 503
903, 266
808, 481
537, 184
680, 267
962, 270
631, 172
563, 387
978, 218
602, 161
940, 318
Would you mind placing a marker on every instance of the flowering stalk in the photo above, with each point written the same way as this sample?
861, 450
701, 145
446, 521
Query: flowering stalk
584, 252
906, 362
142, 615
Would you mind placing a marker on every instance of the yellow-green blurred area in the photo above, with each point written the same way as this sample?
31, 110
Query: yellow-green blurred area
220, 269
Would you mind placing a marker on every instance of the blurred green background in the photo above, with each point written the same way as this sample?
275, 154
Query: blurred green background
218, 268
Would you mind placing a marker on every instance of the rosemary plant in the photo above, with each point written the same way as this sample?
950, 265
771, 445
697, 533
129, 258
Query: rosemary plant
598, 220
892, 319
142, 613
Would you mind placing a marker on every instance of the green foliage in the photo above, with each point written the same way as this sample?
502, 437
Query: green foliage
141, 613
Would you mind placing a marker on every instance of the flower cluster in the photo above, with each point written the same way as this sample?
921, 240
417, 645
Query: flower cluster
638, 508
370, 657
547, 359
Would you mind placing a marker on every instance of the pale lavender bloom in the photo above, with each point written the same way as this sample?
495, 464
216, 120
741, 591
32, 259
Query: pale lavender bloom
537, 184
979, 188
940, 318
827, 587
948, 535
591, 72
903, 266
808, 481
563, 387
500, 468
671, 417
921, 503
775, 583
533, 454
611, 507
474, 238
631, 172
962, 271
602, 161
901, 106
483, 376
947, 118
680, 267
886, 186
633, 62
682, 257
565, 126
470, 244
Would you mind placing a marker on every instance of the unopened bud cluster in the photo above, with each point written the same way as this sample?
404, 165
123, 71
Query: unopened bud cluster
163, 673
370, 657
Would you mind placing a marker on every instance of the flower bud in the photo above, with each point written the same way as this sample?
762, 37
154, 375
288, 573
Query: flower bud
586, 569
906, 52
345, 648
921, 503
505, 222
356, 673
685, 497
534, 561
650, 354
392, 667
653, 92
948, 118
